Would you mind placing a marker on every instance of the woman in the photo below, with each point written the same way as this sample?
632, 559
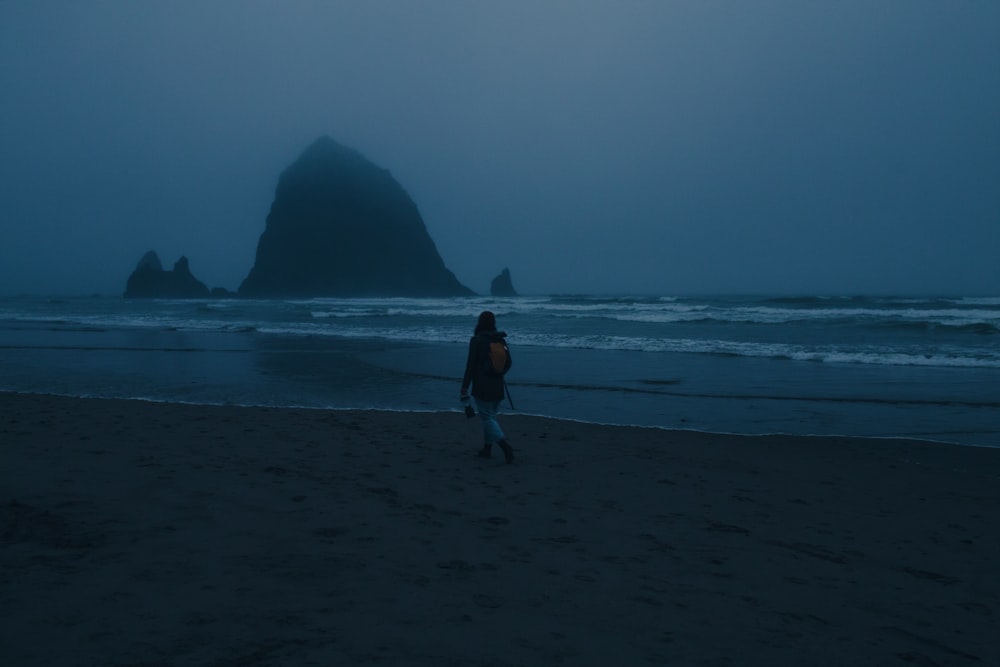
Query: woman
487, 384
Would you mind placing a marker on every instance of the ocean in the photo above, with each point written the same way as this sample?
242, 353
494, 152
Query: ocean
924, 368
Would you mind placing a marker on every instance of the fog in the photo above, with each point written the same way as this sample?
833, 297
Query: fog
592, 147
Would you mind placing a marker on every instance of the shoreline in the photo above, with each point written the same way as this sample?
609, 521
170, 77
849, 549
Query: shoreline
508, 413
138, 532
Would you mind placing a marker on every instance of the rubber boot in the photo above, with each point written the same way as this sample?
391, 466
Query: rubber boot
508, 453
485, 452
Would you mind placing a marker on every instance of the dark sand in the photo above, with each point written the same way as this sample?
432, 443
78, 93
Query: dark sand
137, 533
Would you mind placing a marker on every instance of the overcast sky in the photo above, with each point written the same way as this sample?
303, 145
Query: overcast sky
612, 147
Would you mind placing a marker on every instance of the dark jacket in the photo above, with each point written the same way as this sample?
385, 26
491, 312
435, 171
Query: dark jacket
486, 385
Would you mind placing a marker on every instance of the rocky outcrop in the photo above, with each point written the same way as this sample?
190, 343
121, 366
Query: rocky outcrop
342, 226
150, 281
502, 285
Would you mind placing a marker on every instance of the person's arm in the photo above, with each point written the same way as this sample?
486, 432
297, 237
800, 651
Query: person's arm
469, 368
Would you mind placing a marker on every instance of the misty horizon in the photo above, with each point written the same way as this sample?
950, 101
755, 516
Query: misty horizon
592, 148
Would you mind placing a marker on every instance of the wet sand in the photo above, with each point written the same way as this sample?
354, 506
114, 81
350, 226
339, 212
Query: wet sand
136, 533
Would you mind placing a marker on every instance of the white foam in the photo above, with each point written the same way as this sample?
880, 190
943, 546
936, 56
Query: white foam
563, 322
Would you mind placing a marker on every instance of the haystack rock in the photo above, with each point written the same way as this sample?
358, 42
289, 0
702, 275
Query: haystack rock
502, 285
342, 226
150, 281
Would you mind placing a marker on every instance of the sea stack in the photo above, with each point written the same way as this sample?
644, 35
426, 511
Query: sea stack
342, 226
502, 285
150, 281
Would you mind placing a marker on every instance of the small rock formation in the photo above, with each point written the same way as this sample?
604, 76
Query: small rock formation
150, 281
502, 285
341, 226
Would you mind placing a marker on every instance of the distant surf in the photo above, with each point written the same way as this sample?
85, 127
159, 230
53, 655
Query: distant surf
728, 363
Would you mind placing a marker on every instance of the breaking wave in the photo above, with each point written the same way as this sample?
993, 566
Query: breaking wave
948, 332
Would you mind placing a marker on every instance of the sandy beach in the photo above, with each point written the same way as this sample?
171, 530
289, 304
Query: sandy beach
138, 533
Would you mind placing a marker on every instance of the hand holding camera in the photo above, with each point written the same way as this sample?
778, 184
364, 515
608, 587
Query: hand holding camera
469, 412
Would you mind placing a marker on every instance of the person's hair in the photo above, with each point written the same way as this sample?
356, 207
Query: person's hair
487, 322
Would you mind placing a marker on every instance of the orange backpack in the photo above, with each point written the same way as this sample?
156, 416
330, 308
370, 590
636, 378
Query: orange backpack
498, 361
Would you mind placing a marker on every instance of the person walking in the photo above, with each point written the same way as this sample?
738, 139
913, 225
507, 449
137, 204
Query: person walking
487, 382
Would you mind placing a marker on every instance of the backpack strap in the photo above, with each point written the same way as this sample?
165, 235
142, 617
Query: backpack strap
507, 389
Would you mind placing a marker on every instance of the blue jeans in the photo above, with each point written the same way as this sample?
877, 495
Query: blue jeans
488, 413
